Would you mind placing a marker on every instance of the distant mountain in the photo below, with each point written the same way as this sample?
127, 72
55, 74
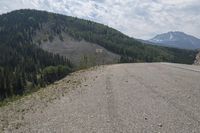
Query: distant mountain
176, 39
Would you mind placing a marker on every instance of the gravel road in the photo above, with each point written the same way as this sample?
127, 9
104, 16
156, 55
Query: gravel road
122, 98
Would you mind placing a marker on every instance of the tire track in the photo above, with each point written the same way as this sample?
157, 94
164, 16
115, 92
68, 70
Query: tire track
114, 118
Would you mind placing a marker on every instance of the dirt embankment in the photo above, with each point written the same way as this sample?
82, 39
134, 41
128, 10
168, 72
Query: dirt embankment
31, 110
197, 61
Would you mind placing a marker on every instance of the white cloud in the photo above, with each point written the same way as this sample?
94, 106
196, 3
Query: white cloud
136, 18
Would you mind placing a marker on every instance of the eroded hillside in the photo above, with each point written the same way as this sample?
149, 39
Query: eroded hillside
78, 51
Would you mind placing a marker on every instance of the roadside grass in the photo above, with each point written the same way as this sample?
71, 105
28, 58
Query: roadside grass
14, 98
11, 99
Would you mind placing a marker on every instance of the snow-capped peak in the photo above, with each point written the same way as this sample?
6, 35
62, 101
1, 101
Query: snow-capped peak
177, 39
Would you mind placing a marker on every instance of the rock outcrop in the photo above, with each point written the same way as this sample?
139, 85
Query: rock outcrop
197, 60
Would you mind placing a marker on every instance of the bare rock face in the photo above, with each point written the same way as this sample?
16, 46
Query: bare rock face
197, 61
77, 51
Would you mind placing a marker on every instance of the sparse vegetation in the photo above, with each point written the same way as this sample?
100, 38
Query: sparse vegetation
53, 73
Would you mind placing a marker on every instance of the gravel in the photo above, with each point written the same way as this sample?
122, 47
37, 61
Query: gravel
122, 98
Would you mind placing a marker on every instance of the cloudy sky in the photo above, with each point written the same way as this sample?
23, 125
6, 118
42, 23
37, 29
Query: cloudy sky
136, 18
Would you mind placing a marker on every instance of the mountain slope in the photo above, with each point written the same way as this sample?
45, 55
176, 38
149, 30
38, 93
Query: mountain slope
24, 67
177, 39
52, 25
27, 35
77, 50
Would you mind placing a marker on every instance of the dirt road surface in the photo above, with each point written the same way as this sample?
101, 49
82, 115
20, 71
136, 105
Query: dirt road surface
122, 98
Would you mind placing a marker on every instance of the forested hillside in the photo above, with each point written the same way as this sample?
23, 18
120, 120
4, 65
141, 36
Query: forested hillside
24, 66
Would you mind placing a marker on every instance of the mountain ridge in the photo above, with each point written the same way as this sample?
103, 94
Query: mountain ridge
176, 39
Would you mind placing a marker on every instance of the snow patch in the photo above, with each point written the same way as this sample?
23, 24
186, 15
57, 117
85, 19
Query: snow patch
157, 40
171, 37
